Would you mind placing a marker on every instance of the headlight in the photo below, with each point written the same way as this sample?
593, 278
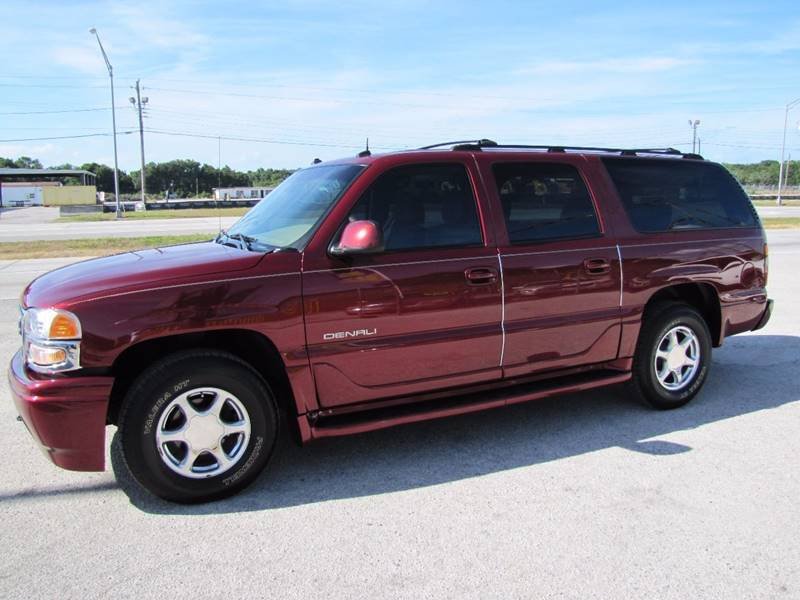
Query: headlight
51, 340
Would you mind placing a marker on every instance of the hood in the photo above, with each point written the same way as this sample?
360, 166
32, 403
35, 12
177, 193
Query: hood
137, 270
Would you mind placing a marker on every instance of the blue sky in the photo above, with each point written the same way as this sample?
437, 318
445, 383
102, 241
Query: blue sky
299, 79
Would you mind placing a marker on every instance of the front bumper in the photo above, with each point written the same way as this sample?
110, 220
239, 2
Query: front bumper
65, 415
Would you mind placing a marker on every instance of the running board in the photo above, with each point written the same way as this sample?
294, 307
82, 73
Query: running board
333, 425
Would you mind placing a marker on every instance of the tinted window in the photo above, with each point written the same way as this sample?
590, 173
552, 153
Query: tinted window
664, 195
422, 206
544, 201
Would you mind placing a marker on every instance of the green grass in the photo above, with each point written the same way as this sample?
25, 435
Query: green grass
786, 202
781, 223
92, 247
169, 213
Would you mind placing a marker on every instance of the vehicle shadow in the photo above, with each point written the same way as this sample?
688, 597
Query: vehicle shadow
751, 373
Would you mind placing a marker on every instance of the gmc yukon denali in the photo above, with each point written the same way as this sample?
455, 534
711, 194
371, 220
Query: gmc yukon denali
380, 290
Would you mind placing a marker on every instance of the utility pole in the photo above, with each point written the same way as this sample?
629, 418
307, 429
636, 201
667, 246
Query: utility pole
789, 106
93, 31
219, 181
788, 164
693, 125
219, 163
139, 103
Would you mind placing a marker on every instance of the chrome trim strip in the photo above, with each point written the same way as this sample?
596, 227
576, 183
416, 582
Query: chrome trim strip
502, 310
399, 264
621, 275
591, 249
178, 285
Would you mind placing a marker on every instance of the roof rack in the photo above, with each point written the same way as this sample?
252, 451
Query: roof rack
484, 143
464, 145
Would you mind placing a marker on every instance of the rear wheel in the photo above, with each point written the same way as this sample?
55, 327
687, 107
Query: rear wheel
672, 357
198, 426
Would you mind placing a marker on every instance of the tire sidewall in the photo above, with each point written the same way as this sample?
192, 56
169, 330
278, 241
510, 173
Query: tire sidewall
149, 400
656, 393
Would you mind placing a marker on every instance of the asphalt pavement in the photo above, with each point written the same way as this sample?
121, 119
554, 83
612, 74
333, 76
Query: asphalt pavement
771, 212
23, 231
581, 496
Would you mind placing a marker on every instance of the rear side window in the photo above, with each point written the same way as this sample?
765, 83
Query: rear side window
422, 206
667, 195
544, 201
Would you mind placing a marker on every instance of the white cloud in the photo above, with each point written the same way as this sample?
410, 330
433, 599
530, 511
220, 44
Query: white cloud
81, 58
34, 151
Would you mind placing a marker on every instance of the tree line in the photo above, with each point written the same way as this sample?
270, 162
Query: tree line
765, 173
183, 178
188, 178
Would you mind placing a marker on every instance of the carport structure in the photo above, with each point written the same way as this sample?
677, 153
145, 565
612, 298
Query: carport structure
15, 174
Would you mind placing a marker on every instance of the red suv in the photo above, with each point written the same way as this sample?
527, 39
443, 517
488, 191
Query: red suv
380, 290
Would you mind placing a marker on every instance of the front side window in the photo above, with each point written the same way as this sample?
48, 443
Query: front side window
671, 194
544, 201
422, 206
289, 214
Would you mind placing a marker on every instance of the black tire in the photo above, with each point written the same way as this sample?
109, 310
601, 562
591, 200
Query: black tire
658, 322
153, 393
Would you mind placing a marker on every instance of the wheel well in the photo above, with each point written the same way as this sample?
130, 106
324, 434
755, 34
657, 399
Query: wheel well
702, 296
252, 347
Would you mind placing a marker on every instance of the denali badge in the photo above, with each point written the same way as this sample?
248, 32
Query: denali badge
340, 335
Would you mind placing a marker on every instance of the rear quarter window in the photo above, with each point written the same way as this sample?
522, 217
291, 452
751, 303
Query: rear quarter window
669, 195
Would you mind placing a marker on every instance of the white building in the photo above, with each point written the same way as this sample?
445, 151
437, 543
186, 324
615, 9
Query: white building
241, 193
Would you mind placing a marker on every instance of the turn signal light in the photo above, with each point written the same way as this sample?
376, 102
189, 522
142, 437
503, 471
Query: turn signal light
44, 356
50, 324
64, 327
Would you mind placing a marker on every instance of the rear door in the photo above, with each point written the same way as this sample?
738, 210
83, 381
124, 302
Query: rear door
561, 268
425, 313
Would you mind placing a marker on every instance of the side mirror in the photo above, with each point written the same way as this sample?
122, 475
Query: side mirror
359, 237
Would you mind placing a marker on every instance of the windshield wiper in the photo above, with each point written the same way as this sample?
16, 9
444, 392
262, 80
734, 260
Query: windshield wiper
242, 241
226, 240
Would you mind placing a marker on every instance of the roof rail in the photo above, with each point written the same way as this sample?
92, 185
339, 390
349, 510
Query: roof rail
484, 143
464, 145
621, 151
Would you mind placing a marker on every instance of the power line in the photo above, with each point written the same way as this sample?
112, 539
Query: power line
70, 77
51, 85
743, 146
65, 137
692, 96
262, 140
541, 109
53, 112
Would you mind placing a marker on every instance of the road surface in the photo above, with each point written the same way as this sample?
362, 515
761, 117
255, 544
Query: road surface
583, 496
25, 231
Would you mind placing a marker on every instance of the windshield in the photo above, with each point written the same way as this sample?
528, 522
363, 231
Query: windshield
288, 214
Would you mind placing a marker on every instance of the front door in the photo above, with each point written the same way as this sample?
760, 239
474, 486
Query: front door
423, 314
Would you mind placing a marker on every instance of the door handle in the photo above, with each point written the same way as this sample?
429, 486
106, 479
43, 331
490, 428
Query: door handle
596, 266
480, 276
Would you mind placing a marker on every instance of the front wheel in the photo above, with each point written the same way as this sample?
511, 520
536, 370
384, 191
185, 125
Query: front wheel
198, 426
672, 357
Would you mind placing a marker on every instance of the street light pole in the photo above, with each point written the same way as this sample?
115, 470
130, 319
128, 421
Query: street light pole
93, 31
693, 125
789, 106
